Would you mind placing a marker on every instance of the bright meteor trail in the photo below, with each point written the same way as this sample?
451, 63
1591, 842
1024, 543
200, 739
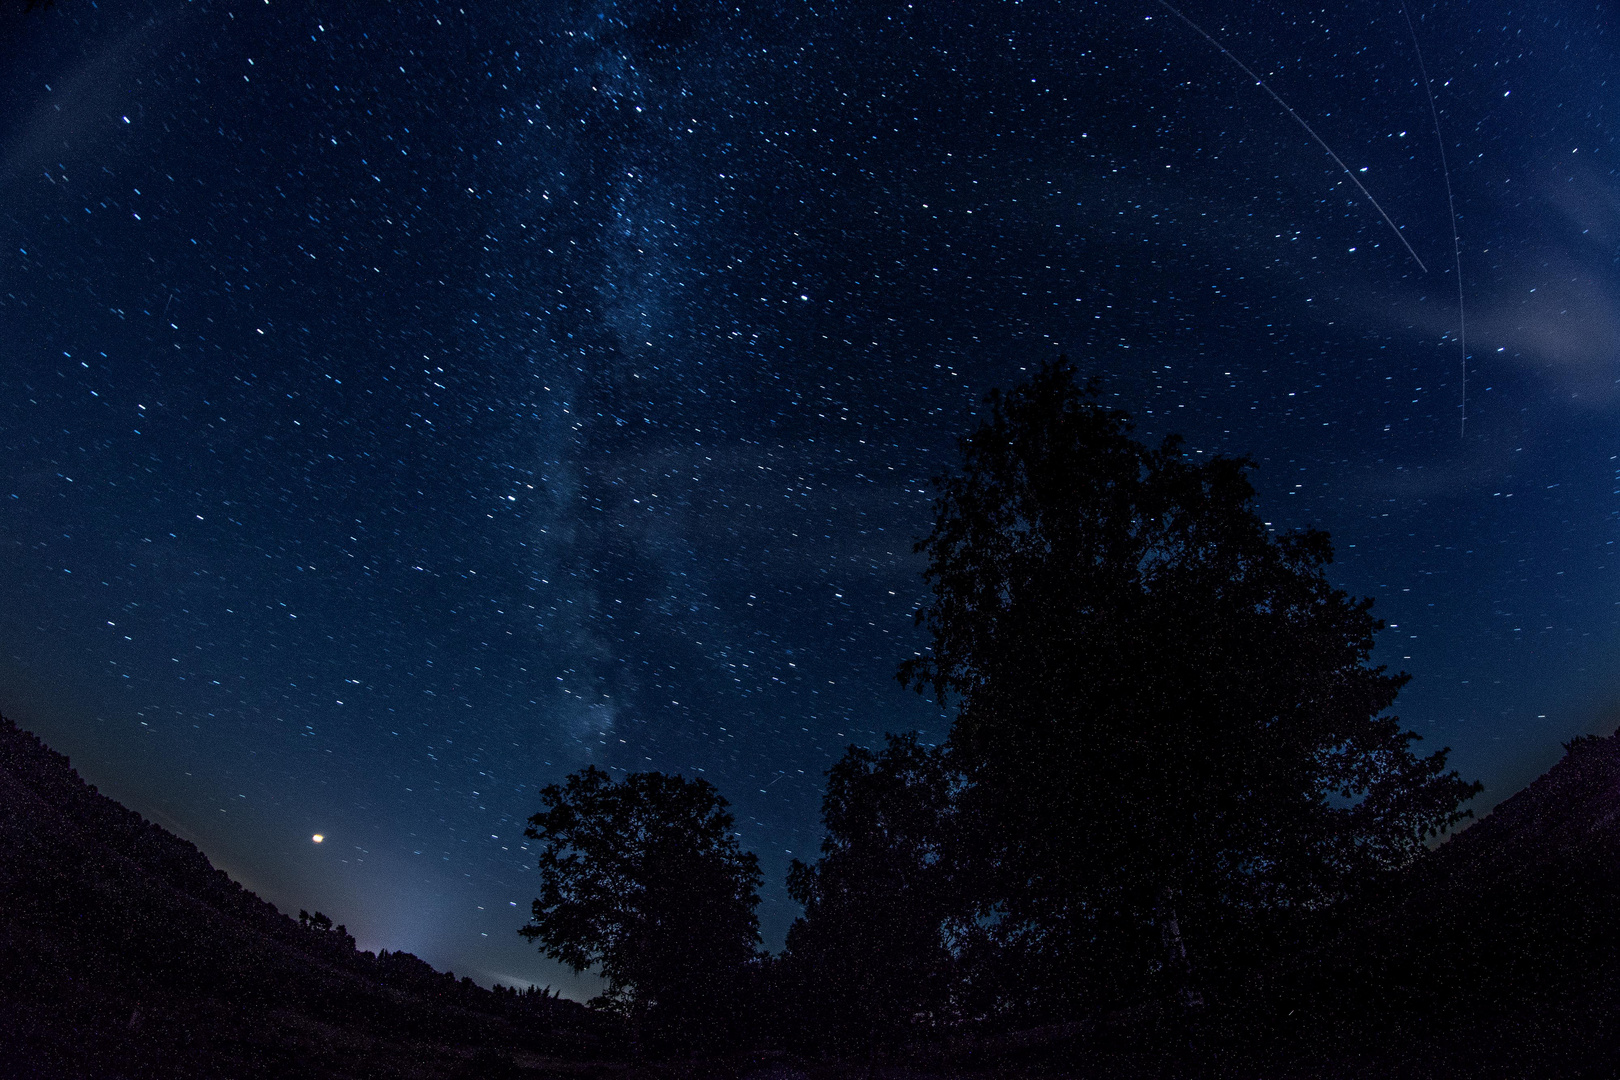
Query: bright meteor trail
1301, 121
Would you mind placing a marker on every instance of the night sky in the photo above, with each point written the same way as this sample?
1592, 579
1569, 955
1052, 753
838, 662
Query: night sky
405, 405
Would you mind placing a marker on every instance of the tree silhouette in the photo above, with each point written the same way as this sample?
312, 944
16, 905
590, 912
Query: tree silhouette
1167, 718
882, 918
644, 881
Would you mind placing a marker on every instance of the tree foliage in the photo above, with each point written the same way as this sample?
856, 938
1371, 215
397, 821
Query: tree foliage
882, 920
1155, 692
643, 880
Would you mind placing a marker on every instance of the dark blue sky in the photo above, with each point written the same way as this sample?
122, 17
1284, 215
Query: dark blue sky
404, 406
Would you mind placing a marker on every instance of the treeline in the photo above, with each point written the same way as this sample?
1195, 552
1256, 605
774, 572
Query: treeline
1171, 765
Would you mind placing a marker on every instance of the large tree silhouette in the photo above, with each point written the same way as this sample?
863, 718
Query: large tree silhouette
643, 880
1169, 726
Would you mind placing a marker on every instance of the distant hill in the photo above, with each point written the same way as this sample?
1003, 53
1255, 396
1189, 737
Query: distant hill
125, 953
1496, 955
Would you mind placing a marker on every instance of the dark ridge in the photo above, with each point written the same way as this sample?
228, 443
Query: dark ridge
125, 953
1497, 954
1570, 807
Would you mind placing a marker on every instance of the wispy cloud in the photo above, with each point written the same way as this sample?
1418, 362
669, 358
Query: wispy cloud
1548, 300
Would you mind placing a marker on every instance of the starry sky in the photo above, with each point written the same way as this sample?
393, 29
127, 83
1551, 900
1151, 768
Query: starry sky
405, 405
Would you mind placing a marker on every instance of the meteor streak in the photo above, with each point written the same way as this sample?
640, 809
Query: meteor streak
1451, 204
1301, 121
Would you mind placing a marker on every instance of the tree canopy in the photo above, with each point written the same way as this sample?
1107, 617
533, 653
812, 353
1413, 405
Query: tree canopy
643, 880
1155, 692
880, 903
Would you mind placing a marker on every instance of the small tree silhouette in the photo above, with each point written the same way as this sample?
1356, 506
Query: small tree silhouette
644, 881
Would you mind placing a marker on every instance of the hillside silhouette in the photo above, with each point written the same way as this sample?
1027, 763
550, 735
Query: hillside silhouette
125, 953
1499, 953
